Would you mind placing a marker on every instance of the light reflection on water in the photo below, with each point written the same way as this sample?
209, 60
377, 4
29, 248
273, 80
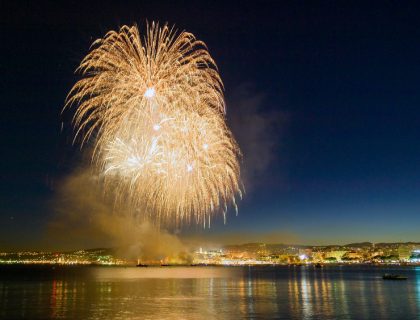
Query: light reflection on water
208, 293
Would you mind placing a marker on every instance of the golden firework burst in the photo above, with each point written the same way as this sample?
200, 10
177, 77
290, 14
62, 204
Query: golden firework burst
154, 108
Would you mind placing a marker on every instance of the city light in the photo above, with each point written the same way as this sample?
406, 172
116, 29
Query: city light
237, 255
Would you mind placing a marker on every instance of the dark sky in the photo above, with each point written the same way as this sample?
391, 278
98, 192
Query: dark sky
332, 156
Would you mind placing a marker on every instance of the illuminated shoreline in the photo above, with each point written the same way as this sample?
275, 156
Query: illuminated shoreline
251, 254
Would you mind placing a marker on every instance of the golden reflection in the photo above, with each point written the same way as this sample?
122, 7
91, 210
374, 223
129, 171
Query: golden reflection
294, 293
316, 287
344, 308
379, 299
211, 293
326, 294
323, 295
242, 296
249, 295
361, 296
305, 286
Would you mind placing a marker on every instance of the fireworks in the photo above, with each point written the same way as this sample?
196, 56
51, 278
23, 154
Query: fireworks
155, 111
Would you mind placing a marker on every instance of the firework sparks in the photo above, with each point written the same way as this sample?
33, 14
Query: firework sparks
154, 108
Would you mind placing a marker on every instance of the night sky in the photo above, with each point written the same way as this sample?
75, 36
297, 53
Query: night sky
323, 98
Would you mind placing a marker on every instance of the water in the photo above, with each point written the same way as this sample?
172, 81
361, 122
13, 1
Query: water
351, 292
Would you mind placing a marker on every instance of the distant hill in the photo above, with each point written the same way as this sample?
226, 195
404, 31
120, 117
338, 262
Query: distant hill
365, 244
387, 244
359, 245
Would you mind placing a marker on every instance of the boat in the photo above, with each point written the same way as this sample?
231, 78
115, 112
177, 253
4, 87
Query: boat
388, 276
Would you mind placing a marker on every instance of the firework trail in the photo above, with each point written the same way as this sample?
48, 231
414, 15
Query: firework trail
154, 109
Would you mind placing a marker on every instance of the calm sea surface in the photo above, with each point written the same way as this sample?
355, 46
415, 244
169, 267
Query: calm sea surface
351, 292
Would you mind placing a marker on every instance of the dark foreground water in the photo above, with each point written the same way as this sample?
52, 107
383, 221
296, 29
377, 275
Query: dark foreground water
352, 292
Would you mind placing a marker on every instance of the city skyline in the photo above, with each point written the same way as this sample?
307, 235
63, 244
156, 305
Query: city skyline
251, 254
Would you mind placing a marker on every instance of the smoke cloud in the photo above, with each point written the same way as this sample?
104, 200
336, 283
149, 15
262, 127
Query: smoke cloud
86, 218
257, 130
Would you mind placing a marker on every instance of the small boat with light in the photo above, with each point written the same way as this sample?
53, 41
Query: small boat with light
388, 276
